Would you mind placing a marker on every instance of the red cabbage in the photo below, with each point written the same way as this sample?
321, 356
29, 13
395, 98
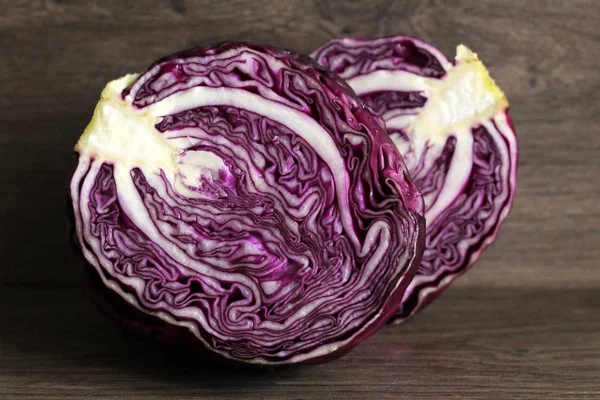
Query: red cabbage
451, 123
243, 196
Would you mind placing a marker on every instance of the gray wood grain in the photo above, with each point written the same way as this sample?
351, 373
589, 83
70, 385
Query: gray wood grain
478, 343
522, 323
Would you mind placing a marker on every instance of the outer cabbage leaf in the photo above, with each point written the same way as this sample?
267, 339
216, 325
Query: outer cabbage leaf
244, 197
451, 123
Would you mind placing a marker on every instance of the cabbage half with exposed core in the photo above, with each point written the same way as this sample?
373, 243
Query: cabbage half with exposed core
245, 195
451, 123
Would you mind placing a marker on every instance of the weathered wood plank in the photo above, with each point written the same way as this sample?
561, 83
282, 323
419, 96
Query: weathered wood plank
477, 343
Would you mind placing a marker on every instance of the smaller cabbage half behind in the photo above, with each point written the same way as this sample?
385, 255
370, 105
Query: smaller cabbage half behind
451, 123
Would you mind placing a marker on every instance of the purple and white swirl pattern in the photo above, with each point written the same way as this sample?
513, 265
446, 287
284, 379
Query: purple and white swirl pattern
262, 206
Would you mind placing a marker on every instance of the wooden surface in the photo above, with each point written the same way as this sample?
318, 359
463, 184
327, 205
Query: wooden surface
475, 343
525, 323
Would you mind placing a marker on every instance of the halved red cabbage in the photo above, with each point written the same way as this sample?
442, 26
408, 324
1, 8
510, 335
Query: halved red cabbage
451, 123
246, 195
